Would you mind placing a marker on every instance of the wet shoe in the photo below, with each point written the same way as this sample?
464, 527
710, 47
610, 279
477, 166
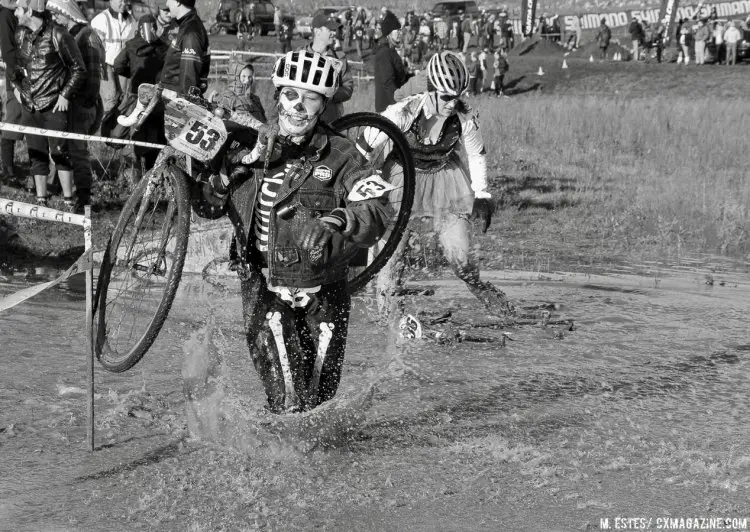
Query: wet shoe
41, 201
410, 327
30, 185
69, 204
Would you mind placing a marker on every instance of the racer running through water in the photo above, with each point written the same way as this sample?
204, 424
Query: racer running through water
300, 214
449, 191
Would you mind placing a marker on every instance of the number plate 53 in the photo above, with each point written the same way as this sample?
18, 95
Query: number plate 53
201, 139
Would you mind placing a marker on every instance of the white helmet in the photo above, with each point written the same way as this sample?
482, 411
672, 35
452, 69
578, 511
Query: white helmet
308, 70
448, 73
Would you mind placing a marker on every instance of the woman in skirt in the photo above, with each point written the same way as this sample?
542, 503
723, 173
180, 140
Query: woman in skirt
449, 192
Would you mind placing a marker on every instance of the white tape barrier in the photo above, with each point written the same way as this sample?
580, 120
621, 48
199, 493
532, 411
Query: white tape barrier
27, 130
216, 54
26, 210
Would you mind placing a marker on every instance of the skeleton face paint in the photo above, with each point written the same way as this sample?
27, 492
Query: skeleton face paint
299, 110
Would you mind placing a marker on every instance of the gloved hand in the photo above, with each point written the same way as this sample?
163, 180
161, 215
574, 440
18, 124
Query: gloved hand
215, 190
483, 210
316, 233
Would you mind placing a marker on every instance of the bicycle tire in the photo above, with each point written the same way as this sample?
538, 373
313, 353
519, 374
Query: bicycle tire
399, 152
119, 352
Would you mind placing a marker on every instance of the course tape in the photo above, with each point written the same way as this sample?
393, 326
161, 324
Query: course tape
27, 130
27, 210
83, 264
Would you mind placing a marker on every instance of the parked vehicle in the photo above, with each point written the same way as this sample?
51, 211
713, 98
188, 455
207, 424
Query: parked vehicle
443, 10
234, 16
303, 26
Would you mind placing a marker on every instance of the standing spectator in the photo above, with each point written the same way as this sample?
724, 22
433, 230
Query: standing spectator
324, 30
465, 32
499, 68
489, 32
390, 73
188, 60
603, 37
635, 29
250, 16
50, 72
483, 58
115, 27
683, 40
719, 42
278, 17
285, 36
165, 24
8, 27
86, 106
701, 36
555, 28
731, 37
474, 74
658, 38
577, 29
441, 34
359, 33
142, 61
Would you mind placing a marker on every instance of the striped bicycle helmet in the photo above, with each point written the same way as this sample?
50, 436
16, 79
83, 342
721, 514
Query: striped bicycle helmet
308, 70
448, 73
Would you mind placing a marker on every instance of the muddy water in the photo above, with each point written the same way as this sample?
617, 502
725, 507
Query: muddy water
639, 411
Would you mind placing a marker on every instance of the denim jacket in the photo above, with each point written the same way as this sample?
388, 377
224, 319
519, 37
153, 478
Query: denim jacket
317, 183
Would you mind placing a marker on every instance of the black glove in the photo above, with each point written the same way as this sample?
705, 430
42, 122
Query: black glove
483, 210
316, 233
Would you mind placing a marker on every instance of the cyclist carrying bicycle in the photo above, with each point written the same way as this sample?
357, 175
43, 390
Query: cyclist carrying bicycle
449, 191
299, 219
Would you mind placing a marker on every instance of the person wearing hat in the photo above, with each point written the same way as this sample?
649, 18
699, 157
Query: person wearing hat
141, 61
325, 29
8, 25
390, 73
49, 74
86, 105
115, 26
188, 60
166, 28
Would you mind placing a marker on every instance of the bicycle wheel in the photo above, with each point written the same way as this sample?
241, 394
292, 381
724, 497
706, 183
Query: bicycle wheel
141, 269
393, 158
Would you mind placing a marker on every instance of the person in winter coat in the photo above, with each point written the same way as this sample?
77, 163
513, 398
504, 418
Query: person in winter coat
702, 34
12, 114
299, 219
141, 61
603, 36
731, 37
390, 72
86, 108
635, 29
499, 67
450, 190
50, 72
115, 26
240, 96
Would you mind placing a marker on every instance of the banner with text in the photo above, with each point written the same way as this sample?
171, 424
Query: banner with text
667, 13
528, 16
620, 19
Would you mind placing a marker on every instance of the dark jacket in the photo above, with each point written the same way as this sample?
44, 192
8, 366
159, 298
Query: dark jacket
188, 60
48, 65
603, 36
92, 51
335, 107
141, 61
635, 29
316, 183
8, 26
390, 74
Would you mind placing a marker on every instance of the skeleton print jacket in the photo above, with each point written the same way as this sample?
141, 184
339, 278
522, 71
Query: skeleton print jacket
330, 179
